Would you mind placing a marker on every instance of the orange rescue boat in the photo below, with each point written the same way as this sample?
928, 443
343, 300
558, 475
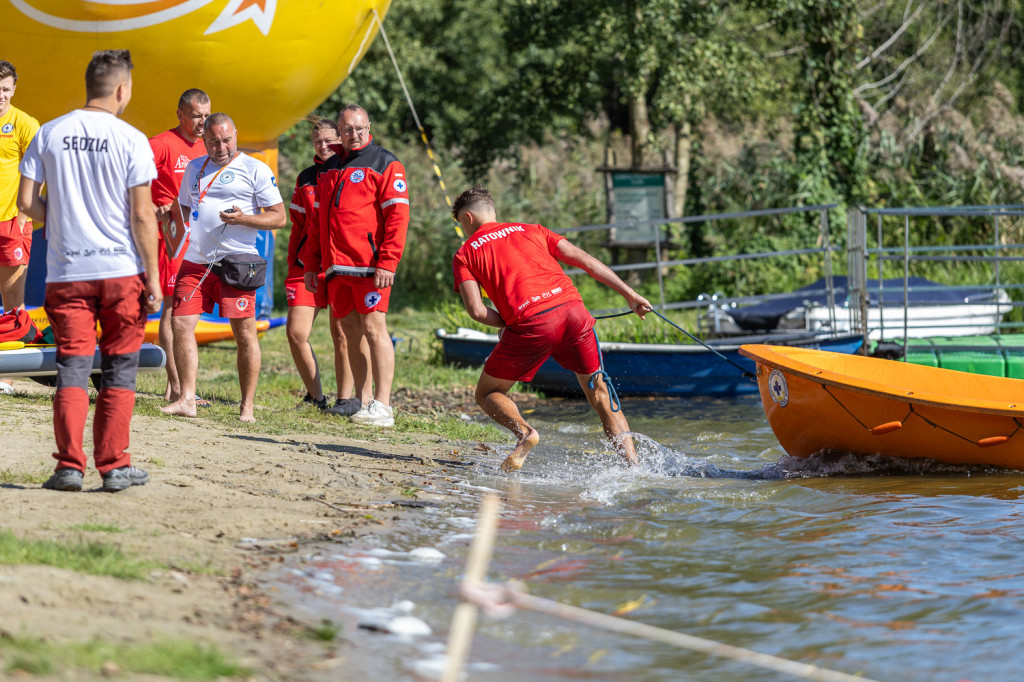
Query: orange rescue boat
820, 401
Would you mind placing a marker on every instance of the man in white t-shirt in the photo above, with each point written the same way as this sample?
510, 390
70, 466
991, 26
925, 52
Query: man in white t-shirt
101, 266
223, 194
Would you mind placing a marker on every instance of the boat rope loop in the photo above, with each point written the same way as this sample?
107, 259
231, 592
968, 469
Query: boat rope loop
613, 395
889, 427
747, 373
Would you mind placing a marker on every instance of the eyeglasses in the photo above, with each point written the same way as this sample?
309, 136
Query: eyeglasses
357, 131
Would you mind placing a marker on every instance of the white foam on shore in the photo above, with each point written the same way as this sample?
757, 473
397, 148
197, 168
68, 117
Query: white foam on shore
409, 626
427, 554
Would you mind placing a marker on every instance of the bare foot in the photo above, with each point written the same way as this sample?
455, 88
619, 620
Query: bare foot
246, 418
245, 413
627, 449
517, 459
182, 407
171, 396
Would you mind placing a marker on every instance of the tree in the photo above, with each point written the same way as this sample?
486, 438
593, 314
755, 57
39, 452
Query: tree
640, 65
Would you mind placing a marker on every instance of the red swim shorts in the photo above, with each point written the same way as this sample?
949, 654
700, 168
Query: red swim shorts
193, 298
356, 293
564, 332
169, 267
15, 243
298, 295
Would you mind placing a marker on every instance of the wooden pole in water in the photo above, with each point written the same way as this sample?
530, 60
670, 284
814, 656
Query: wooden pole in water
464, 619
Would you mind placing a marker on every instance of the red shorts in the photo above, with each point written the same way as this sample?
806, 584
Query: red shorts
346, 294
169, 268
297, 294
564, 332
15, 243
193, 298
74, 308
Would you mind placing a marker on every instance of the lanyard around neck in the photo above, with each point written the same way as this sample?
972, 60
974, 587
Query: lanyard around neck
202, 192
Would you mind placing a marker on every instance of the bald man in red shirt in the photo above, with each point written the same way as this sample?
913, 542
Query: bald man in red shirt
540, 312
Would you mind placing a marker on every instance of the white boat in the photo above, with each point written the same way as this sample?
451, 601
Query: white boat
933, 310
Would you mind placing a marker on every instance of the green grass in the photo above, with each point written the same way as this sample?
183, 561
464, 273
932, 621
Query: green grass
24, 477
280, 391
326, 631
94, 558
174, 658
97, 528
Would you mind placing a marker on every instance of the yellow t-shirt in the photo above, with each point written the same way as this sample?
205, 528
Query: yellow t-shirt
16, 130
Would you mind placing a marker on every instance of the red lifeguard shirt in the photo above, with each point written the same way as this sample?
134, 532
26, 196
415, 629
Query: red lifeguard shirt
172, 153
516, 265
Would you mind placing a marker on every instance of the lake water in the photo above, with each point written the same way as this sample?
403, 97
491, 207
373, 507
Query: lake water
905, 572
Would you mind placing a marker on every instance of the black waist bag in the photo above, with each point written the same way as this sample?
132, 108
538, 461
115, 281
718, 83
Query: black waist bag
242, 271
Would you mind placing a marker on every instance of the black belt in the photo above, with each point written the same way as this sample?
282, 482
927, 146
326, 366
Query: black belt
546, 311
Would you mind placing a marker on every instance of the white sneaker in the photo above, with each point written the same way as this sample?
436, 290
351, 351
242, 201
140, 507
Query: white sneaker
374, 414
6, 388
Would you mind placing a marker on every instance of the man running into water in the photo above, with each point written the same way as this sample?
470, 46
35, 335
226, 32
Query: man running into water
540, 312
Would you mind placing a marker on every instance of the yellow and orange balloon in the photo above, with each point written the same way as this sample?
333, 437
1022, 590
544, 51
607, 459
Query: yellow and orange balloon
266, 63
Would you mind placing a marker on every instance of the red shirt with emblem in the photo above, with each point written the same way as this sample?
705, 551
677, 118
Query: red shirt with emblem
172, 152
516, 265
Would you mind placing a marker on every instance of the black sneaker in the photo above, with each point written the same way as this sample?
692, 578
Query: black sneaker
66, 479
345, 407
116, 480
319, 404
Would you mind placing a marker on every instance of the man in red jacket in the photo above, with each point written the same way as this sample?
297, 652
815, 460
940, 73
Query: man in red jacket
357, 242
539, 311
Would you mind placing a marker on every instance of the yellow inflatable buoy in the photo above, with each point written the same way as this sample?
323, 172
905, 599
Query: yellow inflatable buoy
266, 63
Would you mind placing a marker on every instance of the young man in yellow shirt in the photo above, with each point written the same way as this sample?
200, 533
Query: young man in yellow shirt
16, 131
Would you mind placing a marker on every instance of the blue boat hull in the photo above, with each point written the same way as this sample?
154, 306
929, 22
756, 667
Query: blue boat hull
653, 369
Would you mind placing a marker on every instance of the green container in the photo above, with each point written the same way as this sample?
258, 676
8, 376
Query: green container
987, 355
1013, 346
922, 355
991, 361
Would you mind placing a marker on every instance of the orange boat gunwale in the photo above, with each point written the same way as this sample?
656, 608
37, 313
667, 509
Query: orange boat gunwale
787, 358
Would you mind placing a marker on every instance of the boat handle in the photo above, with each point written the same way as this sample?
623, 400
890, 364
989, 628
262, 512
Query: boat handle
887, 427
994, 440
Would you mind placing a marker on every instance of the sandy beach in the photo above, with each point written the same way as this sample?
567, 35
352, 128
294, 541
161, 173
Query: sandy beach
221, 507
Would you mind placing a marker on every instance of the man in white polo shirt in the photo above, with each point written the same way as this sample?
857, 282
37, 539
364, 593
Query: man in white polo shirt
102, 237
222, 195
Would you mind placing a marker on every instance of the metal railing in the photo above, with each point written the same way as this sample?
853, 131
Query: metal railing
994, 255
857, 306
659, 264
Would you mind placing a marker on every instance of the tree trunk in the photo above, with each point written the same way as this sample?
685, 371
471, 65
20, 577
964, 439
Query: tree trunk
640, 125
684, 148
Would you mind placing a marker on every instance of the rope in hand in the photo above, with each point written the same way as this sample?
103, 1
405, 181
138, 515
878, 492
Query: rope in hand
748, 374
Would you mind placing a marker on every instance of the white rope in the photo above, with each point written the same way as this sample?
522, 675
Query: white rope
391, 53
416, 118
501, 601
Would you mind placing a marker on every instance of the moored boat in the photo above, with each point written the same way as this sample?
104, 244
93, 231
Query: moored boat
650, 368
819, 401
209, 329
926, 309
39, 361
